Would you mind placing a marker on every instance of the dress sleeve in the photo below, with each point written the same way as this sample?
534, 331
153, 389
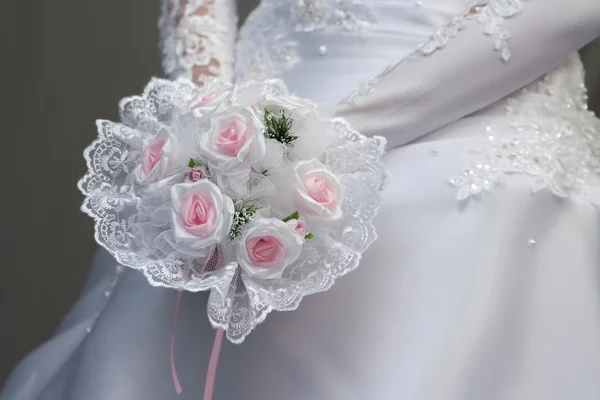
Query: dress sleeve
198, 38
496, 48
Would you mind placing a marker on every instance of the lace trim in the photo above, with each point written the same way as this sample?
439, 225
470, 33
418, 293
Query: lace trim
350, 15
559, 149
197, 38
268, 52
267, 48
490, 13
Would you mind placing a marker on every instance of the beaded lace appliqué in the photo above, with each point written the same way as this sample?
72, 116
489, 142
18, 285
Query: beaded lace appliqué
490, 13
197, 34
350, 15
273, 47
556, 140
269, 51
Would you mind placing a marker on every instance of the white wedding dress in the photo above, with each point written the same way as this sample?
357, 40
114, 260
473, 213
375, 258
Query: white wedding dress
485, 280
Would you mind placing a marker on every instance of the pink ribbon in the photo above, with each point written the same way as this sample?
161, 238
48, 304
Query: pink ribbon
211, 373
178, 388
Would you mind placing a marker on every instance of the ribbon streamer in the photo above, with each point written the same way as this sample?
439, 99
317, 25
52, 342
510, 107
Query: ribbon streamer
178, 388
211, 373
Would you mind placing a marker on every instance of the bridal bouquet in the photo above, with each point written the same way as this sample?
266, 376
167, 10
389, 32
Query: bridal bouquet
245, 191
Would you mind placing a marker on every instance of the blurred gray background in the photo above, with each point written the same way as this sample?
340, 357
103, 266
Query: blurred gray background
64, 63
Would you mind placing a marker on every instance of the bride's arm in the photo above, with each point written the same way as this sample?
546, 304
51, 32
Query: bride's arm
425, 92
198, 38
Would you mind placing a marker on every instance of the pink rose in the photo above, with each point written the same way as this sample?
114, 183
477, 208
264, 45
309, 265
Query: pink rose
231, 137
299, 226
201, 216
318, 192
157, 160
152, 155
305, 103
195, 174
205, 100
296, 106
267, 247
233, 144
211, 102
265, 250
198, 214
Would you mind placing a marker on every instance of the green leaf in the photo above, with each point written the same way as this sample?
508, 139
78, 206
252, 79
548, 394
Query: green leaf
309, 236
278, 126
290, 217
192, 163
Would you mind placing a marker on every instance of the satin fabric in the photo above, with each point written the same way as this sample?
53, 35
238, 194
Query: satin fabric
467, 310
496, 298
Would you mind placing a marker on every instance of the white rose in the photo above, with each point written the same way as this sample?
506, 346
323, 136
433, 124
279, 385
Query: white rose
234, 143
296, 108
289, 103
251, 92
211, 102
201, 216
318, 192
312, 133
267, 248
158, 159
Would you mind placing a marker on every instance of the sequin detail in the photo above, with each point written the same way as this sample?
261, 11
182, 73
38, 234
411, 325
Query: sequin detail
274, 47
350, 15
272, 52
555, 140
490, 13
442, 36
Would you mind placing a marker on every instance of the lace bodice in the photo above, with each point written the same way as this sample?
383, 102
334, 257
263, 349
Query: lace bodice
359, 40
304, 41
405, 68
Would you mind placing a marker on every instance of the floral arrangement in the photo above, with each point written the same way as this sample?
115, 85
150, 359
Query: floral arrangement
245, 191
